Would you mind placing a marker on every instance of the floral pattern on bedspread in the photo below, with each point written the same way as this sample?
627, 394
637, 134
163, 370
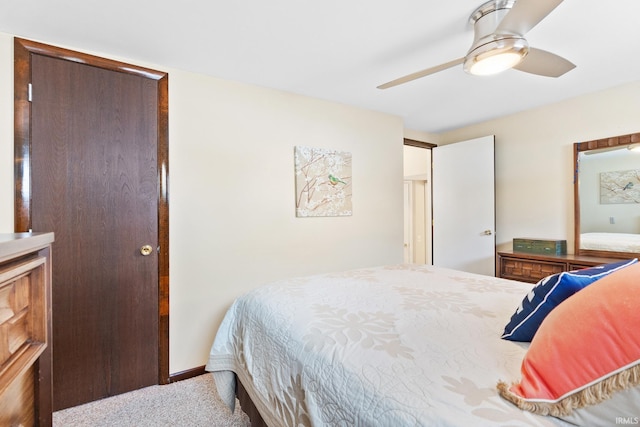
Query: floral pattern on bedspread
416, 346
340, 327
456, 302
487, 405
292, 410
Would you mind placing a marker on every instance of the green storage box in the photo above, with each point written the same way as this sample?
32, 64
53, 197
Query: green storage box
540, 246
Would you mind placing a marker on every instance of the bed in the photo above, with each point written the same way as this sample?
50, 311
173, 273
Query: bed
386, 346
617, 242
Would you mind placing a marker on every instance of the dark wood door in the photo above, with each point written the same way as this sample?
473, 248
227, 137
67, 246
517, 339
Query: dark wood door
94, 183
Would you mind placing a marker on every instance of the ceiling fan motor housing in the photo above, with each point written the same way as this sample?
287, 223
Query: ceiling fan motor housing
487, 43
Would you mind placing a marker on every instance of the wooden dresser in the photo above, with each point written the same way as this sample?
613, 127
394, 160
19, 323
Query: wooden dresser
531, 268
25, 329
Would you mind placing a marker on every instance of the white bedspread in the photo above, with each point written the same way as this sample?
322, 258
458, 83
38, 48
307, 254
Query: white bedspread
617, 242
390, 346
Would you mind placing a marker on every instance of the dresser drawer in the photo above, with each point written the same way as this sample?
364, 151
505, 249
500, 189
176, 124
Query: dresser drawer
25, 329
531, 268
528, 270
578, 266
22, 313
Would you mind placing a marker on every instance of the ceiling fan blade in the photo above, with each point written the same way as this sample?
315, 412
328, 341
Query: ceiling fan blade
526, 14
418, 74
544, 63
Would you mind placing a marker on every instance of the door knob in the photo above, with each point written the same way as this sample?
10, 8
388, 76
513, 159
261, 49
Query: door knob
488, 232
146, 250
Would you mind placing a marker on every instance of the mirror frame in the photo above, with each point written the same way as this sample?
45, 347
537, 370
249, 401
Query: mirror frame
596, 144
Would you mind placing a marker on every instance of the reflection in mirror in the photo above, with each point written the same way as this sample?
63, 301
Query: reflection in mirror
607, 197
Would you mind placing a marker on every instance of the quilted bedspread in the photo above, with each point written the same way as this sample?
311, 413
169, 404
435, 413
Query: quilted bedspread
617, 242
402, 345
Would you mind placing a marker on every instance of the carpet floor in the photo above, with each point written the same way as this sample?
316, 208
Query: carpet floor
193, 402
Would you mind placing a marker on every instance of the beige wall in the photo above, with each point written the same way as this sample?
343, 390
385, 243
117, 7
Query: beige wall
534, 158
232, 216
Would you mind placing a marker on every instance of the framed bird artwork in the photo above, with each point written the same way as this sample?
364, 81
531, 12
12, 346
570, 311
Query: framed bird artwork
323, 182
620, 187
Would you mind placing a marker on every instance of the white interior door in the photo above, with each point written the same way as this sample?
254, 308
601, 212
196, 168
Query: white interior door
464, 206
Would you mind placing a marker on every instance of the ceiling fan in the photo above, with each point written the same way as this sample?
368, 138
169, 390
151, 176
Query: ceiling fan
499, 43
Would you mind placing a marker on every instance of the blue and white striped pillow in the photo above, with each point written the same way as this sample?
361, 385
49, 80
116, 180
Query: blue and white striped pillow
548, 293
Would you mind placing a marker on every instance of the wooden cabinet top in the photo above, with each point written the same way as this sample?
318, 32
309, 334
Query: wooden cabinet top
569, 258
13, 245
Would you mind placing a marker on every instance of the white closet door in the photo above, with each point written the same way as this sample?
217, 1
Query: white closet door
464, 206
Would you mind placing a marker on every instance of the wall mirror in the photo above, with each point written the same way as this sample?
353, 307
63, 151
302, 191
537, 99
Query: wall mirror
607, 197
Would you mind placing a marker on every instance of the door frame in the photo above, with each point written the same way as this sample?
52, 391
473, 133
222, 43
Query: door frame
428, 205
408, 222
23, 50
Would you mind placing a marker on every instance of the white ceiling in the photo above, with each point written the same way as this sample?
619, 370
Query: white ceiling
341, 50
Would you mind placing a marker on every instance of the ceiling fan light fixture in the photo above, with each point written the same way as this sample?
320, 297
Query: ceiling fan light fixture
496, 56
499, 27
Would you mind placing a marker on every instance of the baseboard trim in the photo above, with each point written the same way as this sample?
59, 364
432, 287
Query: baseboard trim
185, 375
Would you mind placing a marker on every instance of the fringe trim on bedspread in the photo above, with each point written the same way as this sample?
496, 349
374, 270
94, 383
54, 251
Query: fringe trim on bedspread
589, 396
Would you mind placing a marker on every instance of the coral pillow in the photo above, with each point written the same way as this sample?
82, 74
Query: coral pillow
585, 351
548, 293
